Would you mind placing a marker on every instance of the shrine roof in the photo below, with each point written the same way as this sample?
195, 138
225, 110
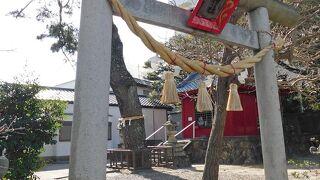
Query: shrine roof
190, 83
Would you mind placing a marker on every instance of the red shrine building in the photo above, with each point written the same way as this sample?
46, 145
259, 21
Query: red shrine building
240, 123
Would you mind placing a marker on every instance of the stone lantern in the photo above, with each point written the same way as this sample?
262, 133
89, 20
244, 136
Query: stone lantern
171, 131
180, 158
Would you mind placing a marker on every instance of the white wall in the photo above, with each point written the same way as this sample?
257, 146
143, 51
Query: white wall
115, 115
154, 119
61, 148
141, 89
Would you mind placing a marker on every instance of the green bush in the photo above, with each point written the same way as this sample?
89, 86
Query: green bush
39, 120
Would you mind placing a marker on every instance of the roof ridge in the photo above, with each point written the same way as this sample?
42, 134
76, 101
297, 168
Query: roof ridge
67, 94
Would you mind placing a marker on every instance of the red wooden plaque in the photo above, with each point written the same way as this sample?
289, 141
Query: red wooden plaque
212, 25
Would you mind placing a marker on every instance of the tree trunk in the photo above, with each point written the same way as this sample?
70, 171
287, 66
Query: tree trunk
125, 89
211, 168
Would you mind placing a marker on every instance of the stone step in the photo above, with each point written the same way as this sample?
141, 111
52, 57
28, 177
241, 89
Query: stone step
184, 143
180, 157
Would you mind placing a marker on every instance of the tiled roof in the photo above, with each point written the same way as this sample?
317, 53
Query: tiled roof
64, 94
55, 93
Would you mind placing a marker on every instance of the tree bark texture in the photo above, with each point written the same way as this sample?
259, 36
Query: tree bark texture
125, 89
211, 169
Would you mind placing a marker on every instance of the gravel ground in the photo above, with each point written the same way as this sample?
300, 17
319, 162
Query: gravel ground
176, 174
227, 172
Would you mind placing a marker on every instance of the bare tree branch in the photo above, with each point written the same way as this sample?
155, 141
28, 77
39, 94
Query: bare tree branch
310, 79
18, 14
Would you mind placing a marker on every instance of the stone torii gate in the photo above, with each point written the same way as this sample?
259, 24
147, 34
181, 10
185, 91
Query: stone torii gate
89, 131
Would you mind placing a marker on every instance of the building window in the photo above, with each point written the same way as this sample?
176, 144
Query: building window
65, 131
204, 119
109, 130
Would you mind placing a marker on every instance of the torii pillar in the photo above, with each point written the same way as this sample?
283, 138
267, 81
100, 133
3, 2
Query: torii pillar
272, 141
89, 129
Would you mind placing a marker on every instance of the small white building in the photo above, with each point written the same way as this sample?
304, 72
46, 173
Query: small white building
155, 115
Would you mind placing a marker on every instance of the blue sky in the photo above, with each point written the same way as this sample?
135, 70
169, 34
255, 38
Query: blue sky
26, 53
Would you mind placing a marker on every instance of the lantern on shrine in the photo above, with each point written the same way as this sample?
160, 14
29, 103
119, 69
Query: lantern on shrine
213, 15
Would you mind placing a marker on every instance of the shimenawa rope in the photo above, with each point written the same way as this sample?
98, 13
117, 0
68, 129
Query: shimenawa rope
176, 59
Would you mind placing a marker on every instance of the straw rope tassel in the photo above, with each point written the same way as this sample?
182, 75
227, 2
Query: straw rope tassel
234, 103
169, 91
204, 102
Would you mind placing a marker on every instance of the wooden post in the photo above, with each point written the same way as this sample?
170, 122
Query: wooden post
89, 130
274, 157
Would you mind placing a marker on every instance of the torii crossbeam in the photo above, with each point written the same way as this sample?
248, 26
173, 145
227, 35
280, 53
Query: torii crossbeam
89, 131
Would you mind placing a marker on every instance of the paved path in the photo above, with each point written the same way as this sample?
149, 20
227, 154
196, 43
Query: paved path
227, 172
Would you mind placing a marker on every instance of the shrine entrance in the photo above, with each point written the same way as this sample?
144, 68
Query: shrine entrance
88, 149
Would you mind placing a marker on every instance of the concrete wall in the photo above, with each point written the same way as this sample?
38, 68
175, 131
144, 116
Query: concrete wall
154, 118
236, 150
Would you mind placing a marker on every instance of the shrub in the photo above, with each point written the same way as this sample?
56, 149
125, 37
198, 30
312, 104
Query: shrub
39, 120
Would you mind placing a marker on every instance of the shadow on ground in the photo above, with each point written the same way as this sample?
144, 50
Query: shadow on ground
158, 174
